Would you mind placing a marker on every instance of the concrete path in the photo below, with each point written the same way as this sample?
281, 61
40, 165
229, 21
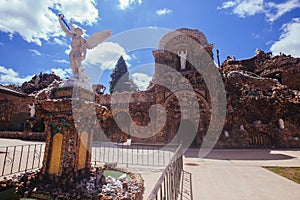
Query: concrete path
237, 174
4, 142
228, 174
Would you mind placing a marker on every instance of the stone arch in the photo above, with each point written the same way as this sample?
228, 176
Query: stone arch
187, 134
175, 37
186, 39
56, 152
175, 121
24, 108
83, 150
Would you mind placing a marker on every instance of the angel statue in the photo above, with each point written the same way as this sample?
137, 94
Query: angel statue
79, 44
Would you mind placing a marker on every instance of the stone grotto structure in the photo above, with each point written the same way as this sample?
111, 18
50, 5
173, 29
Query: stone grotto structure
262, 97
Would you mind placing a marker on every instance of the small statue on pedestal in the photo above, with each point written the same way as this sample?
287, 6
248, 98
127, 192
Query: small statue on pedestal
32, 110
183, 56
31, 120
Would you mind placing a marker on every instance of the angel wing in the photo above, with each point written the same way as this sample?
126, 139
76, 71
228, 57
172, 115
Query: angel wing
97, 38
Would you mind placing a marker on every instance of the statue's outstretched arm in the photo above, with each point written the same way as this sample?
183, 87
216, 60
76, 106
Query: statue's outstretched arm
71, 26
63, 27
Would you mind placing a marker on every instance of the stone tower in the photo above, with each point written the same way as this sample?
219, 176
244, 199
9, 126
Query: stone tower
179, 50
183, 92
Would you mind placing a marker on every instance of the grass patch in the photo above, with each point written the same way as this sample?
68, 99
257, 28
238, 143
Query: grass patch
114, 174
292, 173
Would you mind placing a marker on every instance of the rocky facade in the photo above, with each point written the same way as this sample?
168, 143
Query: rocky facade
39, 82
14, 110
262, 95
167, 89
15, 101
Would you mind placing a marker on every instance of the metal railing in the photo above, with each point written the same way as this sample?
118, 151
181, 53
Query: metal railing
21, 158
186, 186
168, 185
134, 154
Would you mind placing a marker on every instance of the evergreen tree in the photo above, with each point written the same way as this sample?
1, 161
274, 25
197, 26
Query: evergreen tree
120, 81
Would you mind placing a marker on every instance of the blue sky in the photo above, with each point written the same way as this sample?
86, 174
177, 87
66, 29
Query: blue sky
31, 40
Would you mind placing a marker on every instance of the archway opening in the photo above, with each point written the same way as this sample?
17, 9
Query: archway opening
187, 134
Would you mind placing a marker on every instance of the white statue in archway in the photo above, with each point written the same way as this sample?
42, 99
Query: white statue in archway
281, 124
183, 56
32, 110
79, 44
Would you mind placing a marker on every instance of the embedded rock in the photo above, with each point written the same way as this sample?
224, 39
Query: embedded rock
39, 82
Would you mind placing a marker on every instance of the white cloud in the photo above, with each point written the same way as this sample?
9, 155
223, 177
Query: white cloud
133, 56
227, 4
35, 52
272, 11
61, 61
67, 51
9, 76
289, 41
83, 12
124, 4
9, 71
62, 73
105, 55
60, 41
244, 8
249, 8
275, 11
141, 80
35, 21
164, 11
152, 27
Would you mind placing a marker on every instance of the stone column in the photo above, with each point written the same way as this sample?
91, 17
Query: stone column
69, 125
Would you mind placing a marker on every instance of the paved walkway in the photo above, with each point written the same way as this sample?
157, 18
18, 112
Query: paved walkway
238, 175
229, 174
13, 142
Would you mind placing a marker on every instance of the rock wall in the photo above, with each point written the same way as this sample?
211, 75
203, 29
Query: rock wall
14, 110
259, 97
167, 88
263, 100
39, 82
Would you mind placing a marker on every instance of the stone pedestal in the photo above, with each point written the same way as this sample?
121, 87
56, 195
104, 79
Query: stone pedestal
29, 125
69, 125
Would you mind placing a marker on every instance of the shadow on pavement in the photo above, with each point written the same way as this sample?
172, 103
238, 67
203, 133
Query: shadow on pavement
238, 154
